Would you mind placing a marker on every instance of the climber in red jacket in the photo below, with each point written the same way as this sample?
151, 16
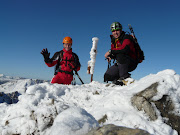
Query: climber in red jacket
123, 51
65, 60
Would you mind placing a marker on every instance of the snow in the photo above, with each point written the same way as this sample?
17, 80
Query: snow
11, 84
56, 109
74, 121
93, 53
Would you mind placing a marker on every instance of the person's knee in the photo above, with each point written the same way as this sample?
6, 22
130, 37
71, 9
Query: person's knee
132, 67
108, 77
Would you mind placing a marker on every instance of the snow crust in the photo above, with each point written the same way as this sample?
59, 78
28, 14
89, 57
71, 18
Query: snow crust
66, 109
12, 84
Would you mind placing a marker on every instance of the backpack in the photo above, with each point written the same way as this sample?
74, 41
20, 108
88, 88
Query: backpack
139, 53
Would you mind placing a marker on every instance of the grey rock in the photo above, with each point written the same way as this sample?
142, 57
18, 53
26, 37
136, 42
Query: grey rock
142, 101
9, 98
165, 106
116, 130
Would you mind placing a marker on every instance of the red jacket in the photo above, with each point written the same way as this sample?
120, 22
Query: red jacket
123, 45
66, 62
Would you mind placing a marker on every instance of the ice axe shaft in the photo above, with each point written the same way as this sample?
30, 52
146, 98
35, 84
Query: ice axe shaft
79, 77
132, 32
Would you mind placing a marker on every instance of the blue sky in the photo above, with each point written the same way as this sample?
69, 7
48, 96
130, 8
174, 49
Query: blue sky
28, 26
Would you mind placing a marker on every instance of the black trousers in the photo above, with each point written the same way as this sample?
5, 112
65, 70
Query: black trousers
120, 71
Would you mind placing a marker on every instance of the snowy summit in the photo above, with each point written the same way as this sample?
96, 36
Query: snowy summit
54, 109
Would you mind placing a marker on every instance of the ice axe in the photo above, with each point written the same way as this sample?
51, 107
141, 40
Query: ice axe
78, 76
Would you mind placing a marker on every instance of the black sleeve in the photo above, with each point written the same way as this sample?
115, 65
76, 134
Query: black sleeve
55, 57
125, 50
77, 61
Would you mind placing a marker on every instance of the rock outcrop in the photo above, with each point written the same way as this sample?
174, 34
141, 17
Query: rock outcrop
9, 98
143, 102
116, 130
166, 106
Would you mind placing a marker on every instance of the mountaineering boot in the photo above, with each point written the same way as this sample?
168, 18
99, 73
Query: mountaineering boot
118, 82
121, 81
128, 81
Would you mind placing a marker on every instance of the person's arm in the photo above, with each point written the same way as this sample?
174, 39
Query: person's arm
108, 56
125, 48
75, 65
78, 65
49, 62
53, 61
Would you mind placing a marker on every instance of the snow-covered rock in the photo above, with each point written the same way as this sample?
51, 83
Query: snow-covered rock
54, 108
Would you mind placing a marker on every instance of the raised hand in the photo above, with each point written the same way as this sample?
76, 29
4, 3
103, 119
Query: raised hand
45, 53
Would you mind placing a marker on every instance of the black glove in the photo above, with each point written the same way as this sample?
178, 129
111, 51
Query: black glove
45, 54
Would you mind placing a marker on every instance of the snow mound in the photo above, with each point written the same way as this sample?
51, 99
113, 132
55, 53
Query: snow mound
66, 109
41, 111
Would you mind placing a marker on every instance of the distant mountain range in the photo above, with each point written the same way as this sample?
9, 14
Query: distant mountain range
12, 84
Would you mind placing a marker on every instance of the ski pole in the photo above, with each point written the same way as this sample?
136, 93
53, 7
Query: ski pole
78, 76
109, 64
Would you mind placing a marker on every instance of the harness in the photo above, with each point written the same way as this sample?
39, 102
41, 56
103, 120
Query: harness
60, 58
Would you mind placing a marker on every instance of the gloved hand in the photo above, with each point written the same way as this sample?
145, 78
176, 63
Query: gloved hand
45, 53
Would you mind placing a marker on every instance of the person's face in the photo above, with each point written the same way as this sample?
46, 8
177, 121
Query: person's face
67, 46
116, 33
